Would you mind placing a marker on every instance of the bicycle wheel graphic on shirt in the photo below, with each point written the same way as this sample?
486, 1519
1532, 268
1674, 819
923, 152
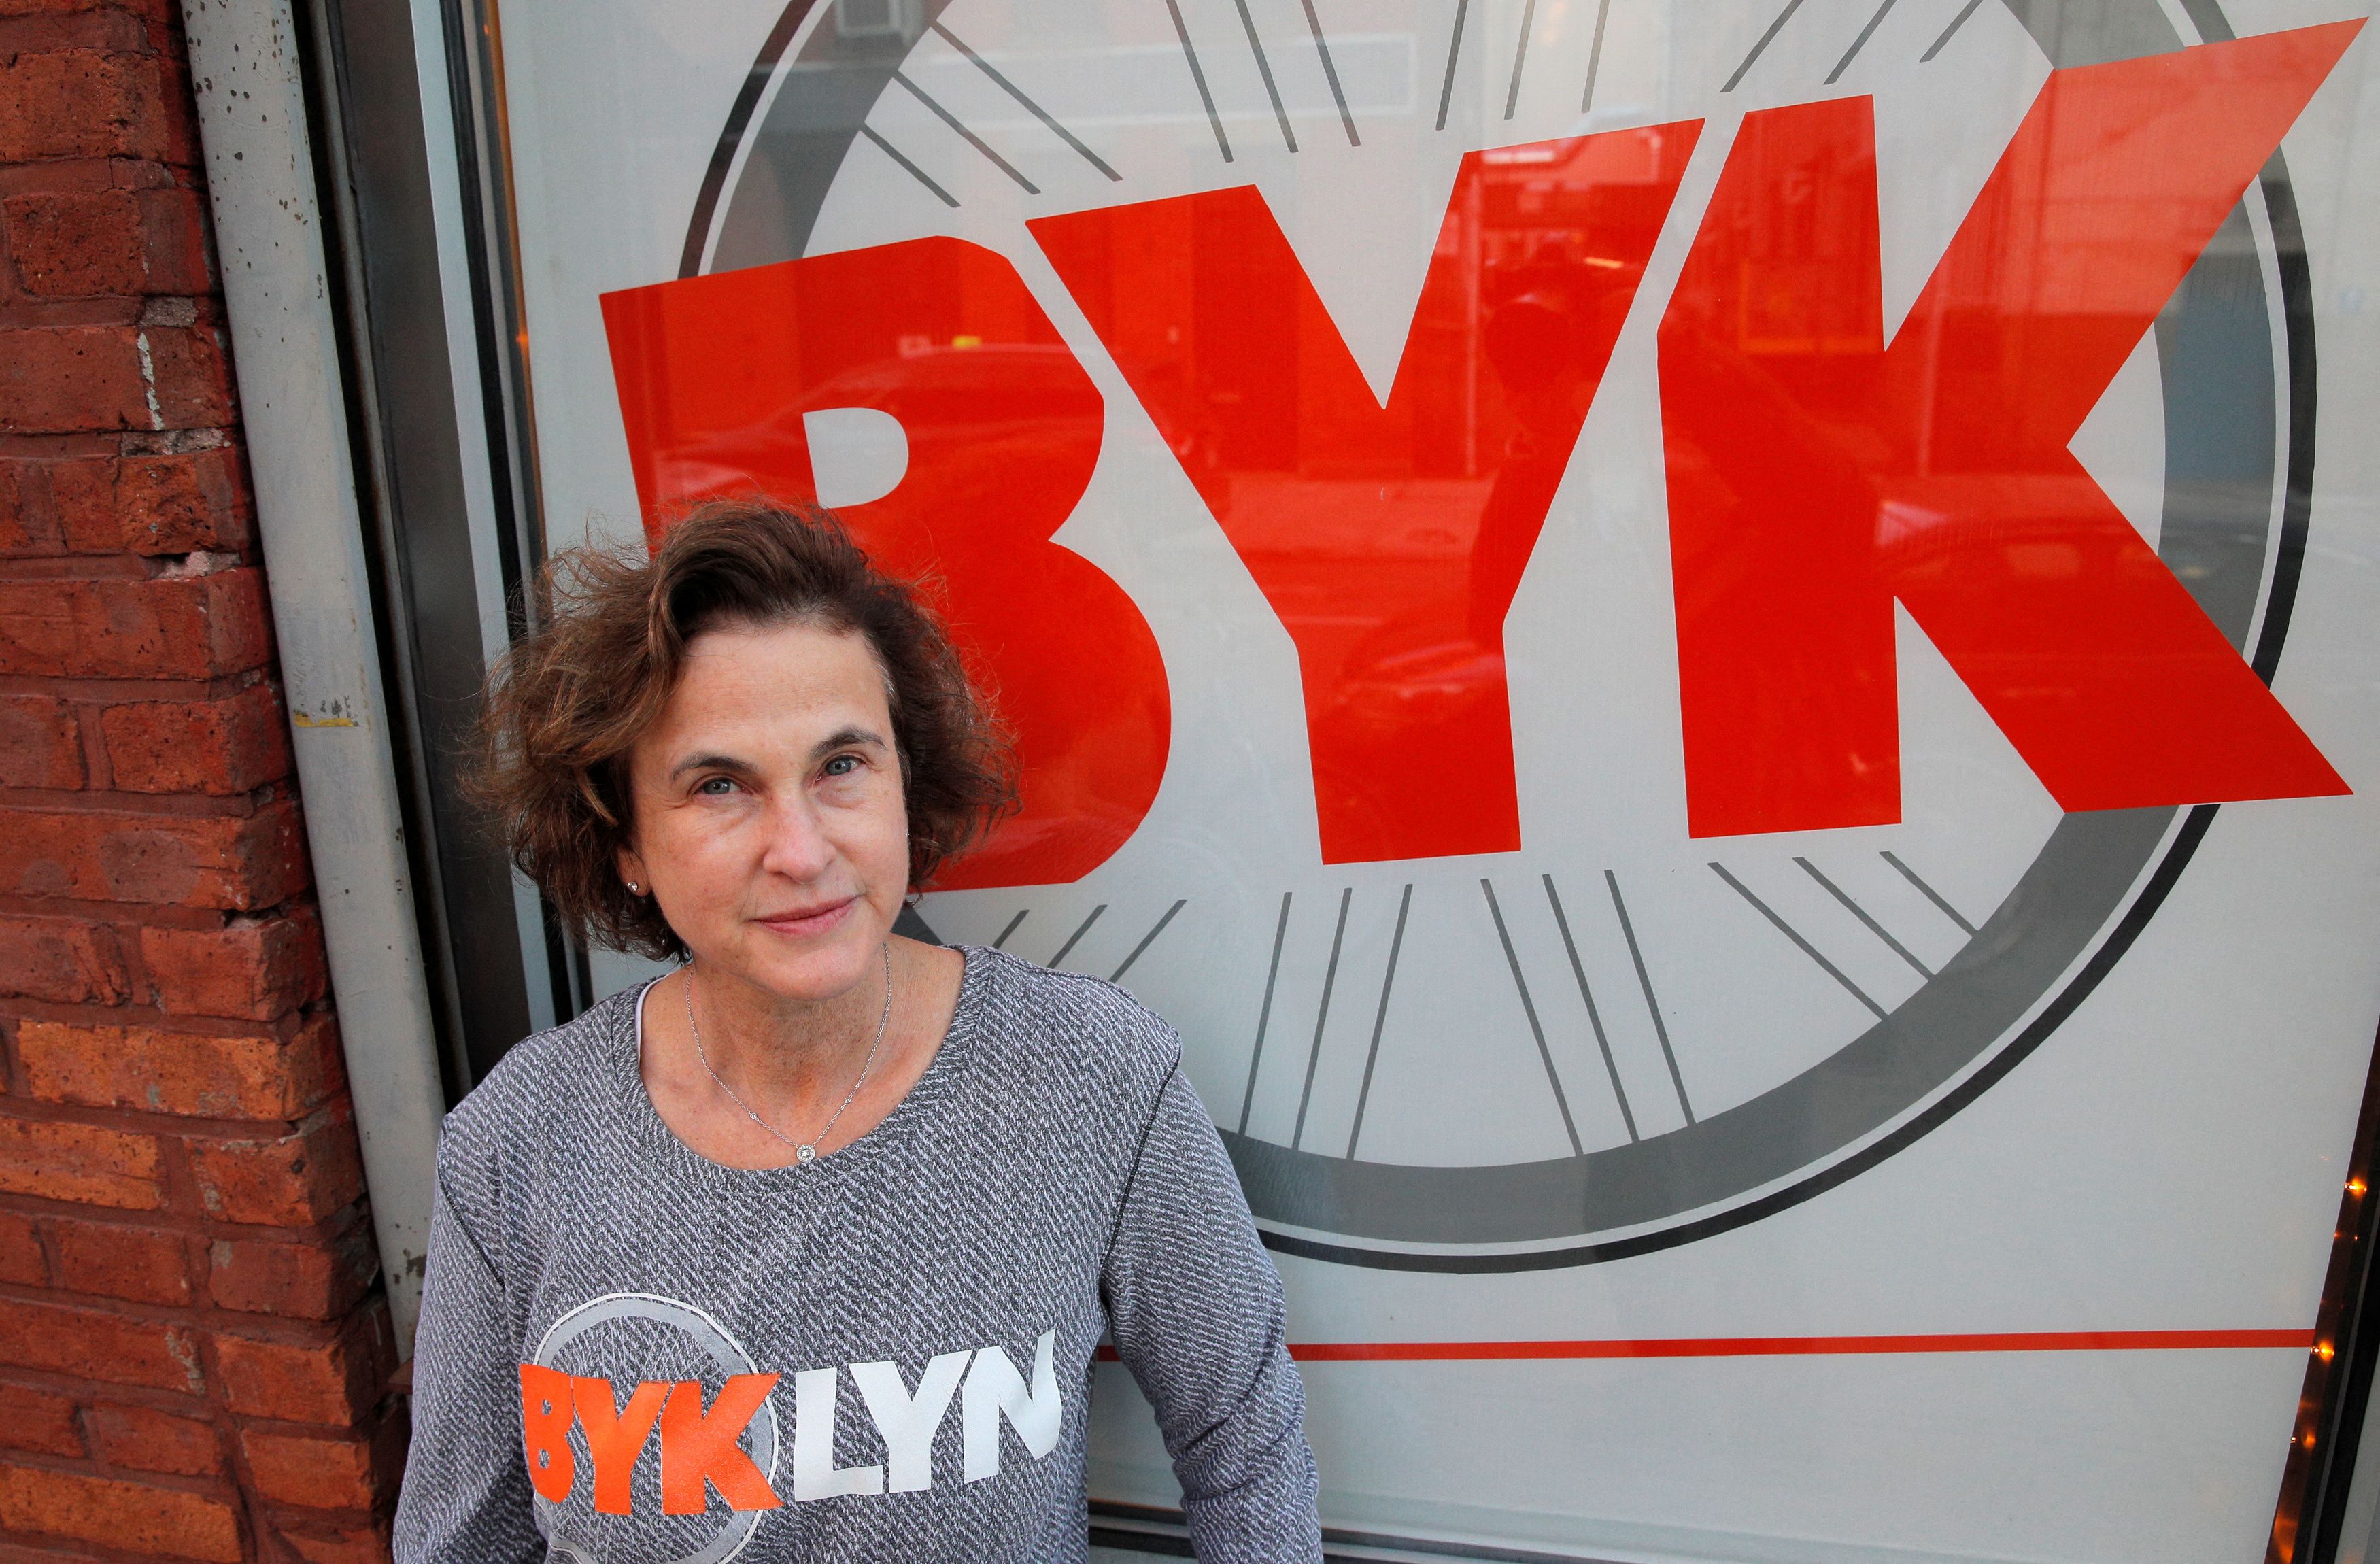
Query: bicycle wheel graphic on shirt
1616, 620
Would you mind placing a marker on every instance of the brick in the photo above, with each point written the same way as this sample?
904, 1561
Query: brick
177, 504
28, 522
18, 532
40, 746
21, 1260
250, 971
232, 864
56, 380
143, 1067
147, 1266
191, 375
333, 1382
80, 1162
289, 1182
173, 242
182, 148
342, 1545
108, 31
322, 1472
35, 1419
302, 1280
46, 7
75, 243
80, 504
149, 8
253, 1076
133, 1517
82, 104
148, 1440
168, 627
84, 244
223, 747
94, 1344
66, 960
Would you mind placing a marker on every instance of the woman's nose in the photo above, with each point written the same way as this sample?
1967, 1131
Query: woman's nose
797, 847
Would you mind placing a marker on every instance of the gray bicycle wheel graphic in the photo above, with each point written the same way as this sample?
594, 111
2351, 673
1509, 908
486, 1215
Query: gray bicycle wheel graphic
2239, 420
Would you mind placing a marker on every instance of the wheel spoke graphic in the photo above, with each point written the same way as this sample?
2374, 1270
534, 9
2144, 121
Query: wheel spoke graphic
1786, 929
1190, 54
1762, 47
1537, 1028
972, 139
1929, 893
1321, 1015
919, 175
1594, 56
1520, 55
1860, 913
1652, 1005
1594, 1016
1956, 23
1264, 1012
1264, 68
1861, 42
1380, 1020
1078, 933
1036, 109
1149, 939
1330, 72
1454, 53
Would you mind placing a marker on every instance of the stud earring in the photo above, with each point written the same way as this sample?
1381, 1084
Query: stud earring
635, 890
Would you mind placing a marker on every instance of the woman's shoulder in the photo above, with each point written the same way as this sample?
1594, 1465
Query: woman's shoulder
1069, 1020
544, 1073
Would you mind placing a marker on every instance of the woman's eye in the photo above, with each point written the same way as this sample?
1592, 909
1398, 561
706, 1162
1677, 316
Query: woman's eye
841, 766
716, 787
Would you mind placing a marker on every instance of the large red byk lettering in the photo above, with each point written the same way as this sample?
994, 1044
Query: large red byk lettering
717, 377
1389, 539
1815, 475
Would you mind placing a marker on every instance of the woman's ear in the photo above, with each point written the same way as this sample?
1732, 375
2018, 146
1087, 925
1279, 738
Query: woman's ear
632, 873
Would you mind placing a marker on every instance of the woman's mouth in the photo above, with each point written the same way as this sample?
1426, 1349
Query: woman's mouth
805, 922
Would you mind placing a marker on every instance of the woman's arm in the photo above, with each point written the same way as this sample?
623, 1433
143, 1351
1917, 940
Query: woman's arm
467, 1491
1196, 1311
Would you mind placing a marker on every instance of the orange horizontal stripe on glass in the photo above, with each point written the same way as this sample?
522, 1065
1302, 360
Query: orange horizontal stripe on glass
1793, 1345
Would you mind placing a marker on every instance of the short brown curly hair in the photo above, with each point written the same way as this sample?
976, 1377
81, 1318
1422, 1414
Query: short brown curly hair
568, 702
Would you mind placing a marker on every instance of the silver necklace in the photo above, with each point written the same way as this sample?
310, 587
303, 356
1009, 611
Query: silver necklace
804, 1151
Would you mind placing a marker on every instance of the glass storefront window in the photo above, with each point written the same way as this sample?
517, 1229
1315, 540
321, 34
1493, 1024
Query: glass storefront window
1716, 657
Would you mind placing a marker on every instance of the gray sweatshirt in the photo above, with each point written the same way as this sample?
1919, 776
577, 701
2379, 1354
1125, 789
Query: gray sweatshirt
630, 1353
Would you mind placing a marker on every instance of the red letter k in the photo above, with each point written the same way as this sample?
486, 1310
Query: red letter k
1815, 475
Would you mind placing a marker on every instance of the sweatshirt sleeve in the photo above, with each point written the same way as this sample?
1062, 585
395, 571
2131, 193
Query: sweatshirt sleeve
1197, 1315
467, 1498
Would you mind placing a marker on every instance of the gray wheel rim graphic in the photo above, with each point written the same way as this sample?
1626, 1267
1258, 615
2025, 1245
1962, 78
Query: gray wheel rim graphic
2096, 880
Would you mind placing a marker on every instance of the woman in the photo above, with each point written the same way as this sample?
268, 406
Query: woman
803, 1251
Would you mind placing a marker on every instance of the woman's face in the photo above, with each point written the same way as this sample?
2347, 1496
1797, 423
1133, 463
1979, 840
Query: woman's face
769, 820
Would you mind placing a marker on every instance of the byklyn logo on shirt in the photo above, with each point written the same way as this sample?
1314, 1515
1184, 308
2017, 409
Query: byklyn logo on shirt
704, 1448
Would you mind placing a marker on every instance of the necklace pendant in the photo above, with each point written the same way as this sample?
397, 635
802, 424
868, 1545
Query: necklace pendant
805, 1153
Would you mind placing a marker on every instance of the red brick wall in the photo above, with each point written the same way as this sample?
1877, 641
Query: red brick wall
194, 1349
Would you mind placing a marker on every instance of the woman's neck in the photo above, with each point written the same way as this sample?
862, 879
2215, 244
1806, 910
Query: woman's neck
783, 1047
780, 1076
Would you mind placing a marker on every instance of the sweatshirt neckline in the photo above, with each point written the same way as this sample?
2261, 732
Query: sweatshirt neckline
920, 1099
